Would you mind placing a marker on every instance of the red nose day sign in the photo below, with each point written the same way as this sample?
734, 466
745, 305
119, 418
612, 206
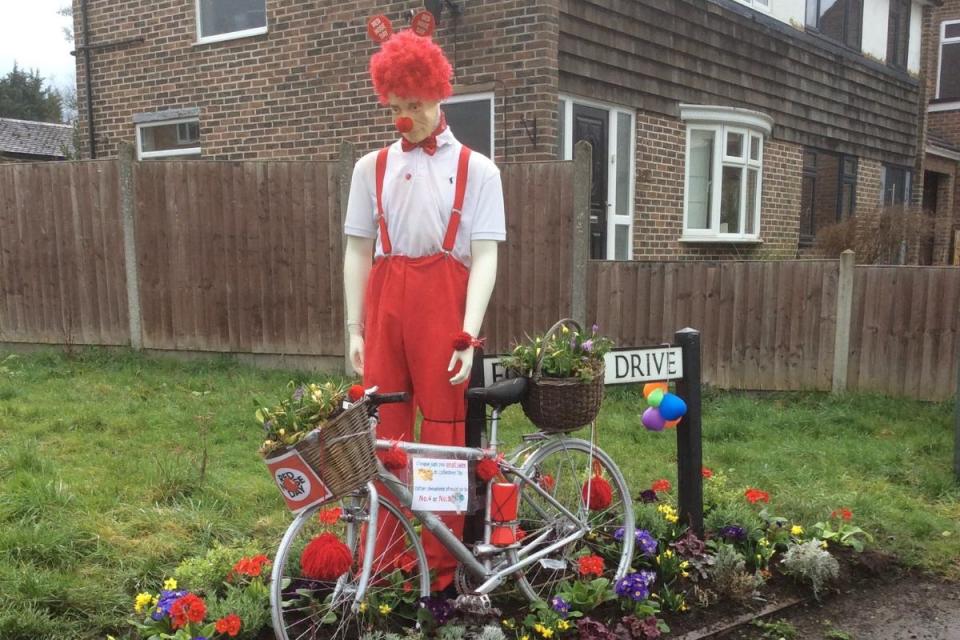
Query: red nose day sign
299, 485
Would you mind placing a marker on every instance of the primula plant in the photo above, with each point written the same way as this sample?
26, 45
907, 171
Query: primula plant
305, 408
566, 354
176, 614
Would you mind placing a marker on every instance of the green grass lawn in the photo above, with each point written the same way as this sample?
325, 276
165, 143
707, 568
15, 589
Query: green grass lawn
101, 492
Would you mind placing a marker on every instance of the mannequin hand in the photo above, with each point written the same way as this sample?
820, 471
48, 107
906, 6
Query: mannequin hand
465, 358
356, 353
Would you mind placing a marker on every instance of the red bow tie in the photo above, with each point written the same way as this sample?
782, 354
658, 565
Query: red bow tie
428, 144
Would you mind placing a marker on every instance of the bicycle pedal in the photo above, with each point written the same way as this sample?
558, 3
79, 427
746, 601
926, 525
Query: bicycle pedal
475, 605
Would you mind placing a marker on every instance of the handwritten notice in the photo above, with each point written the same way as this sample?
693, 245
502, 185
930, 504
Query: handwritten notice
440, 484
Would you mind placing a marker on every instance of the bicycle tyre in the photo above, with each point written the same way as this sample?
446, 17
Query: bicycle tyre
317, 601
568, 463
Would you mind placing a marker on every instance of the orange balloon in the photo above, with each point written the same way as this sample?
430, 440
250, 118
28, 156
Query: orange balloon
672, 424
650, 386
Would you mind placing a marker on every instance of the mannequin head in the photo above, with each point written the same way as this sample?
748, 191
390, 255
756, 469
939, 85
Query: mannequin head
414, 118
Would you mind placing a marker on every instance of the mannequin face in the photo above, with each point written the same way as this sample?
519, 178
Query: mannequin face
424, 115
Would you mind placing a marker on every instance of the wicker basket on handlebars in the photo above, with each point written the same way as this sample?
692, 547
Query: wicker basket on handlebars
342, 450
560, 405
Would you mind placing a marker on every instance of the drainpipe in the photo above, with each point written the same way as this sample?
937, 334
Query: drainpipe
89, 81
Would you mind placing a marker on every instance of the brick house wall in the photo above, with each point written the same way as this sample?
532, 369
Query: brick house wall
944, 124
296, 91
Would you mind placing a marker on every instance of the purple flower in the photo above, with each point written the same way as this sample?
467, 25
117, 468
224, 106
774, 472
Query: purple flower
646, 542
166, 600
595, 328
587, 345
618, 534
733, 532
298, 393
439, 608
200, 638
560, 605
635, 586
648, 496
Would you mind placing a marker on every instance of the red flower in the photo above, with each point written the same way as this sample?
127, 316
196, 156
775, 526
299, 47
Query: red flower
325, 558
661, 485
756, 495
407, 561
252, 567
330, 516
706, 472
842, 512
547, 482
229, 624
597, 493
394, 458
188, 608
487, 469
355, 392
590, 565
521, 534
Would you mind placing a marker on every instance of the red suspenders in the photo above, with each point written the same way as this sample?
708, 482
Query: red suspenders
450, 237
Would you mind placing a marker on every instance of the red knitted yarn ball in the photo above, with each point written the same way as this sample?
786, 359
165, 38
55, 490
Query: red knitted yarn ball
487, 469
395, 458
325, 558
601, 495
410, 66
462, 341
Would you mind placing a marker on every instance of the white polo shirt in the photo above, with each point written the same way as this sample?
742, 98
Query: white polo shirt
418, 192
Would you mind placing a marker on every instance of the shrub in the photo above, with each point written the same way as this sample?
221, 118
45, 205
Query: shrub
888, 235
808, 561
207, 574
730, 577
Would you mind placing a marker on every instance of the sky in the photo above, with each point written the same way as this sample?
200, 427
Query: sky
31, 33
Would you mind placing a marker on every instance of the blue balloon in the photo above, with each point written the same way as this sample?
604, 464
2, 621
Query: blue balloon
672, 407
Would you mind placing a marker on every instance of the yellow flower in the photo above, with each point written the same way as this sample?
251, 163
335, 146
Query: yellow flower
684, 574
563, 625
154, 602
508, 623
524, 637
672, 518
538, 628
565, 330
823, 544
764, 542
385, 609
668, 554
363, 607
142, 602
684, 607
169, 584
796, 530
684, 564
282, 431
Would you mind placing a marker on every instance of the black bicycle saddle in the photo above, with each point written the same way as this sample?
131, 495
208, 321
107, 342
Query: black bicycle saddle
500, 394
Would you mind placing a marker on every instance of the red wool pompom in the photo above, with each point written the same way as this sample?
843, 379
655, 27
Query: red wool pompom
355, 392
597, 490
487, 469
325, 558
462, 341
410, 66
395, 458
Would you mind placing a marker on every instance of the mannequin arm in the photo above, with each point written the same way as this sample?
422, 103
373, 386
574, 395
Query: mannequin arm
357, 261
483, 275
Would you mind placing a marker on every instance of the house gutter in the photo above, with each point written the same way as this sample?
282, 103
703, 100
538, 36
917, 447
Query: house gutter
89, 80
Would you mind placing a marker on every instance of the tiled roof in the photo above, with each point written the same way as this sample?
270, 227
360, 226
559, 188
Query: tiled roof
35, 138
943, 143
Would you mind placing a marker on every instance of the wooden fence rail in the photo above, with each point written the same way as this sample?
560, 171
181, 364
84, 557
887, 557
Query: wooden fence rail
246, 257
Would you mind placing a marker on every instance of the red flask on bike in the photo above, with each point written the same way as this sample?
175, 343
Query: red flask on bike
503, 510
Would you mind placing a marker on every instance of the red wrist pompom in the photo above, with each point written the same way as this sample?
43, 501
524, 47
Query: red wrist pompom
325, 558
464, 340
355, 392
395, 458
487, 469
597, 493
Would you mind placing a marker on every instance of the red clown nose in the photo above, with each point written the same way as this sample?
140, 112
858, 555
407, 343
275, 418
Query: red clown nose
404, 125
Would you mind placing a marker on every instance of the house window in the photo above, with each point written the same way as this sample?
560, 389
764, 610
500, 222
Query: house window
841, 20
470, 117
762, 5
612, 134
227, 19
169, 138
808, 198
948, 79
898, 33
896, 185
724, 171
828, 191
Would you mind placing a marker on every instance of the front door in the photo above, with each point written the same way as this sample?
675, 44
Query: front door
590, 124
931, 183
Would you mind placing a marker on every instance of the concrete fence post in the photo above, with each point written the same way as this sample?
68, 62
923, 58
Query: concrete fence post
345, 175
841, 345
128, 214
580, 228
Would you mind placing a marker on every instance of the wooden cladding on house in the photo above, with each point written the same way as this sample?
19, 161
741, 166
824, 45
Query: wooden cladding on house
655, 55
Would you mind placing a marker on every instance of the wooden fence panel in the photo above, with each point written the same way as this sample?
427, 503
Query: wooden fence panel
61, 254
240, 256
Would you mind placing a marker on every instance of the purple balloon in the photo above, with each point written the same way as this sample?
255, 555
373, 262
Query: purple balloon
652, 419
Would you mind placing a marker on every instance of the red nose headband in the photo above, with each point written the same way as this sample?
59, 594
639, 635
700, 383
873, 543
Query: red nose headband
404, 125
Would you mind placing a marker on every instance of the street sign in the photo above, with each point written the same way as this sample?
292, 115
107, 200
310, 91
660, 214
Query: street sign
624, 365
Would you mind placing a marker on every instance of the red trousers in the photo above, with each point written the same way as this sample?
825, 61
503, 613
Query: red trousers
413, 308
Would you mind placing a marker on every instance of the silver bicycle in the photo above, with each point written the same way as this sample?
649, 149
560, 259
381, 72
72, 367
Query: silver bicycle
555, 528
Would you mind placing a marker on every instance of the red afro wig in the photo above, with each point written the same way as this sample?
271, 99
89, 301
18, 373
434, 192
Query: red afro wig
411, 66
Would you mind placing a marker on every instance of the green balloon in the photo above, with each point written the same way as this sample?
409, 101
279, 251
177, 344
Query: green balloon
655, 398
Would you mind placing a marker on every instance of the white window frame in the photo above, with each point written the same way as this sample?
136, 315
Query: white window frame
477, 97
612, 123
182, 139
722, 121
166, 153
759, 5
947, 106
230, 35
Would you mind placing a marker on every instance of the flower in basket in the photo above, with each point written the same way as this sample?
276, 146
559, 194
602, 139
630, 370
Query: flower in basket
566, 352
305, 408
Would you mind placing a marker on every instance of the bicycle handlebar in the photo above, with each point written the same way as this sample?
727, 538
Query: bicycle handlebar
388, 398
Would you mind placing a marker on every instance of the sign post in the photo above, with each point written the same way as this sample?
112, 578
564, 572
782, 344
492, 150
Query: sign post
689, 446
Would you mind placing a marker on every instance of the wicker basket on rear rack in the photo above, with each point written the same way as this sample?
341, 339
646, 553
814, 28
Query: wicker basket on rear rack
342, 450
560, 405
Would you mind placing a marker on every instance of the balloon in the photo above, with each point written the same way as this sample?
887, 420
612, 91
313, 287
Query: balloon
672, 424
655, 397
672, 407
652, 419
650, 386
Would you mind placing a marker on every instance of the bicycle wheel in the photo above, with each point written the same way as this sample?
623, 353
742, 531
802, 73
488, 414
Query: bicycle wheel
304, 608
562, 468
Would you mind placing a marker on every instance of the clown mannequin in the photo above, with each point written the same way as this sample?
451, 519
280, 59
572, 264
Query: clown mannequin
418, 274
